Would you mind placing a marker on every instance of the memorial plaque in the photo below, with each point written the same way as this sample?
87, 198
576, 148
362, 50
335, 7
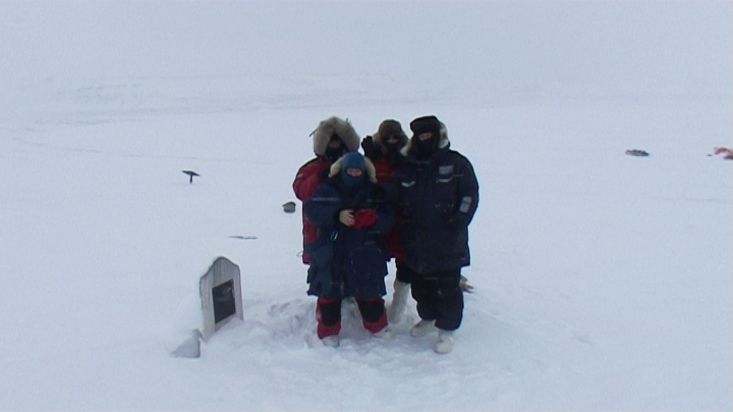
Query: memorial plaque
221, 295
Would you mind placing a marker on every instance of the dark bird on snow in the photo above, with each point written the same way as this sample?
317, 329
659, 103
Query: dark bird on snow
190, 174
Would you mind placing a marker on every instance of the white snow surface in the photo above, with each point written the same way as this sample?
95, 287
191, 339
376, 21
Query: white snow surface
602, 281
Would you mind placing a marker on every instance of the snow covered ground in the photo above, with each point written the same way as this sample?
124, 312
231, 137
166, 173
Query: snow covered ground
603, 281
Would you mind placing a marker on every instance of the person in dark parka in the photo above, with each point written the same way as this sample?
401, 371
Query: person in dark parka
351, 215
436, 192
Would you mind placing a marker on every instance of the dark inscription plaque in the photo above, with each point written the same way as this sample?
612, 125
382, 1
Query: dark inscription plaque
223, 296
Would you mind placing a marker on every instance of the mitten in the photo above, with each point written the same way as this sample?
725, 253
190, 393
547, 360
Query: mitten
370, 149
365, 218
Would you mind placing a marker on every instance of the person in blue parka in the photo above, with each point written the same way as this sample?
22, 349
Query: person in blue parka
348, 259
436, 192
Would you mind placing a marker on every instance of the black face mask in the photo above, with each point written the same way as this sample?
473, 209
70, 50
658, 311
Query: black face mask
425, 148
392, 145
392, 151
333, 153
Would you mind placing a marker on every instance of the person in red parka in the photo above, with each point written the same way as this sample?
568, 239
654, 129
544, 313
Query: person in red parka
383, 149
332, 138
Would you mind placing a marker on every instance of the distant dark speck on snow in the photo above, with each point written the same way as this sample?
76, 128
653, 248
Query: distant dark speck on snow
637, 152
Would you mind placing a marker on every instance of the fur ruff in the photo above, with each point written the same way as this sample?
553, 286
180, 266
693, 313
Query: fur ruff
371, 171
397, 128
329, 127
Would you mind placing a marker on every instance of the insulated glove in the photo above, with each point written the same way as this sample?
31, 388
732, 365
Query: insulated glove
364, 218
370, 149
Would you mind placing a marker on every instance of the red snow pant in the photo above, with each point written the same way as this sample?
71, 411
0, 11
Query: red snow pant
328, 315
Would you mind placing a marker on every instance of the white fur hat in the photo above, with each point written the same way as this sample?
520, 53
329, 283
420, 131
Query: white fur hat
334, 126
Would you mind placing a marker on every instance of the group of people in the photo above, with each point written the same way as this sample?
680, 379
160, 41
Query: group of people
410, 199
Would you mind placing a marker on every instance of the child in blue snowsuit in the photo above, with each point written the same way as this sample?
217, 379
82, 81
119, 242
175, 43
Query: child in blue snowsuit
347, 259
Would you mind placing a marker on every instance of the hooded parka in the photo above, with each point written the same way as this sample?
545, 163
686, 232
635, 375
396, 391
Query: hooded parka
436, 199
347, 260
313, 172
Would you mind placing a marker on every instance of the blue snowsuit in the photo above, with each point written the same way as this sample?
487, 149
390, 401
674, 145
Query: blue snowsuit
347, 261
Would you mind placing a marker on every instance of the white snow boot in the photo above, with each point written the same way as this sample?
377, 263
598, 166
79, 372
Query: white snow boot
332, 341
386, 333
422, 328
445, 341
399, 301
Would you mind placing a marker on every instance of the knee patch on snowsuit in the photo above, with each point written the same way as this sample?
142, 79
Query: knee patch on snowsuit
328, 311
328, 316
373, 314
371, 309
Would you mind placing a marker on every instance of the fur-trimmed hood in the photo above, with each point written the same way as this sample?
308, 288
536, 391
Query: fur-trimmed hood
386, 128
329, 127
442, 143
371, 171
